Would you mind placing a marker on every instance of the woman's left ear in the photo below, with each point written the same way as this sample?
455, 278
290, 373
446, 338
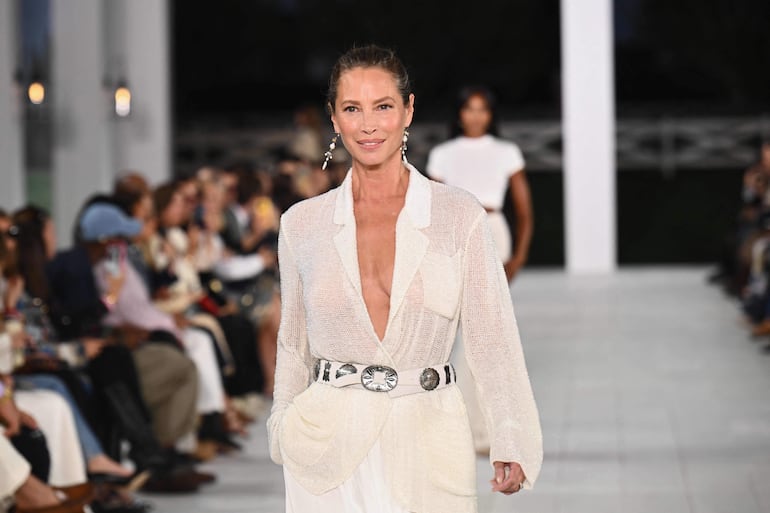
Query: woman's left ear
410, 110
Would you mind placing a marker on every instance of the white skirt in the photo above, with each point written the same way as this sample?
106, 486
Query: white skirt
501, 234
364, 492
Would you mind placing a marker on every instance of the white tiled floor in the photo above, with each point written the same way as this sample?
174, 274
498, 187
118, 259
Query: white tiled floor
652, 398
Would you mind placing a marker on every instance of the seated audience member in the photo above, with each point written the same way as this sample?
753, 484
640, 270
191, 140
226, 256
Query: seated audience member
35, 246
29, 494
130, 302
736, 260
250, 226
174, 250
167, 378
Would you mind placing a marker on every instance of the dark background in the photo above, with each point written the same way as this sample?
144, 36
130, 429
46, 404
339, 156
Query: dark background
247, 62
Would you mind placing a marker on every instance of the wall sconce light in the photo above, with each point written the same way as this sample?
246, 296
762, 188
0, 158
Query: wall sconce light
36, 92
122, 100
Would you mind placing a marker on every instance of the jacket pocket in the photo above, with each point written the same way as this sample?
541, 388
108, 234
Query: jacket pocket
441, 282
307, 428
448, 444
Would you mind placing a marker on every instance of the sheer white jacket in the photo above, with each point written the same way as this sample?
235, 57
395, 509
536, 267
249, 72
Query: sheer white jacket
446, 274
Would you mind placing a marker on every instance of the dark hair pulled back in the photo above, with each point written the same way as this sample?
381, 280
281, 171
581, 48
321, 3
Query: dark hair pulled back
370, 56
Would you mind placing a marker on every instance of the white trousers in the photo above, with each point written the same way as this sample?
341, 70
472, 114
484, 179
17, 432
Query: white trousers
54, 418
364, 492
14, 469
200, 349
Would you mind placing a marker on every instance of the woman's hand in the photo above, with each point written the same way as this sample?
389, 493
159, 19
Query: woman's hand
512, 268
181, 321
509, 478
92, 347
25, 419
114, 286
9, 416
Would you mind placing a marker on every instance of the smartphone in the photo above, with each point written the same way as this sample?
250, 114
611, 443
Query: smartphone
114, 261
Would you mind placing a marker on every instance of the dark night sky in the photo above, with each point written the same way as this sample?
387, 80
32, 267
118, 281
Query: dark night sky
261, 55
257, 56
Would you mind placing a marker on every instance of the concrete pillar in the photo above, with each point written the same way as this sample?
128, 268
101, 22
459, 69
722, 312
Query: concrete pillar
140, 55
588, 117
13, 190
81, 160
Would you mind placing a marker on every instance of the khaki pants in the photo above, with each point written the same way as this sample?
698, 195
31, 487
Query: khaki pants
169, 382
14, 469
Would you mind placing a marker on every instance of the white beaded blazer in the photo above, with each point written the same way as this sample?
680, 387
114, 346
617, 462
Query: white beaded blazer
446, 277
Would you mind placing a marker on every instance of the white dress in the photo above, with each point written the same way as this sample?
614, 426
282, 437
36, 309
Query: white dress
364, 492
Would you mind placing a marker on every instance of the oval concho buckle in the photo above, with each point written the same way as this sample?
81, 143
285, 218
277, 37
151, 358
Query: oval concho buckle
379, 378
429, 379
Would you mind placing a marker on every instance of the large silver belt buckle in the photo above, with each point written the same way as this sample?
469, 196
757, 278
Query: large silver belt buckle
379, 378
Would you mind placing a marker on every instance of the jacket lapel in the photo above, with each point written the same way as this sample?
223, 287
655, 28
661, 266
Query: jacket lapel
411, 243
345, 239
345, 242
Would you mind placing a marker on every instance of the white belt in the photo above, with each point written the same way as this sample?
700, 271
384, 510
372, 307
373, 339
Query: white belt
381, 378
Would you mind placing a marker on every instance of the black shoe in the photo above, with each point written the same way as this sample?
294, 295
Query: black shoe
111, 501
203, 477
129, 483
212, 429
172, 482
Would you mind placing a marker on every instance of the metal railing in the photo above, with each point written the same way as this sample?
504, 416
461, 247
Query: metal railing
665, 144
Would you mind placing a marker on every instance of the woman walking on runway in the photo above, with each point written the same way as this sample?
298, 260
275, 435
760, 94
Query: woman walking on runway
377, 276
477, 160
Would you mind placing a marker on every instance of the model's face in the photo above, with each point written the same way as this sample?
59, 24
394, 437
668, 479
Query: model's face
475, 117
370, 115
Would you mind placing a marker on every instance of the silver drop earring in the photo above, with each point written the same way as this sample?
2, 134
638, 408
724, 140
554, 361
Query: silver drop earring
328, 155
403, 144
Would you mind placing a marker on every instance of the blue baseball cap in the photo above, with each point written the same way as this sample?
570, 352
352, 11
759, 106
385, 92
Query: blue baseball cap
102, 221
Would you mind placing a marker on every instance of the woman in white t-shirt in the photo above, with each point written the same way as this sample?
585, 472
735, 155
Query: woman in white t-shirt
476, 160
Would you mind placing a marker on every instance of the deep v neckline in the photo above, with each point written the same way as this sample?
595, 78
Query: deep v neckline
410, 245
388, 292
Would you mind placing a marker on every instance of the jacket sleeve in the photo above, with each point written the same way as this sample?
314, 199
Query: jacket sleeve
495, 356
293, 363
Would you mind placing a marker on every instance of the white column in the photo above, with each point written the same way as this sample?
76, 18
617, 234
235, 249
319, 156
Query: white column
588, 117
82, 164
142, 141
12, 190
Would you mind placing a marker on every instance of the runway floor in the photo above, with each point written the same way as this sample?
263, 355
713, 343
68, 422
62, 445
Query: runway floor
652, 399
